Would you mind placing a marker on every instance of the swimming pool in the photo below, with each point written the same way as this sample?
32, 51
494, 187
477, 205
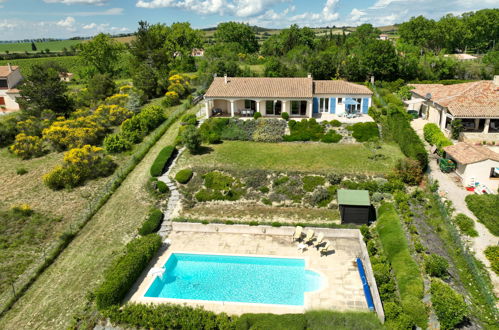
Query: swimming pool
235, 278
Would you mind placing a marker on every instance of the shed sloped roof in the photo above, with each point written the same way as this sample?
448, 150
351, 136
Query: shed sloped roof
5, 71
467, 153
339, 87
467, 100
353, 197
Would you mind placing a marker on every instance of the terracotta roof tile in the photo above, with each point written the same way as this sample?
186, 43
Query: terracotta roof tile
5, 72
467, 100
260, 87
339, 87
467, 153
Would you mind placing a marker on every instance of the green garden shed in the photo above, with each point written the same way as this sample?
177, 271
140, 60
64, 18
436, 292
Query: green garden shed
355, 206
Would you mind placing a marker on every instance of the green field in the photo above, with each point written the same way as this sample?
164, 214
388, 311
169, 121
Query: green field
297, 156
53, 46
69, 62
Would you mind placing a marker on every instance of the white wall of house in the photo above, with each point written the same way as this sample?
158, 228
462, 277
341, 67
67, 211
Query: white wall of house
478, 172
260, 103
9, 100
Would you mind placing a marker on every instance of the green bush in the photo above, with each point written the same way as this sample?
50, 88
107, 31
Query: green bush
363, 132
434, 136
310, 182
206, 195
161, 160
448, 304
317, 320
436, 265
116, 143
257, 115
331, 137
183, 176
125, 270
466, 225
21, 171
269, 130
285, 116
272, 321
191, 138
152, 222
409, 171
189, 119
492, 253
486, 209
305, 130
161, 187
218, 181
335, 123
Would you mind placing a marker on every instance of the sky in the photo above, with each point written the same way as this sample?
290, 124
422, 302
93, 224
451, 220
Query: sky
30, 19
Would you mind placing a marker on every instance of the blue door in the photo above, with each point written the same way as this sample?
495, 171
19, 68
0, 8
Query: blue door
316, 105
365, 105
332, 105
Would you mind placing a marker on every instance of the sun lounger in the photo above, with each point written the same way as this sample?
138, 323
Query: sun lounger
319, 240
310, 237
298, 233
325, 249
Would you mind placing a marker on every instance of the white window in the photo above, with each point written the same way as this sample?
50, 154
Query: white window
323, 104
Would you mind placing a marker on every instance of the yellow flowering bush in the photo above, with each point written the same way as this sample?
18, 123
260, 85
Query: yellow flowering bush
180, 84
125, 89
22, 209
113, 114
80, 164
74, 133
27, 146
119, 99
30, 126
171, 99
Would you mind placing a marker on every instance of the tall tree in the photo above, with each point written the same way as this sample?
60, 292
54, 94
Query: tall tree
42, 90
33, 46
100, 55
239, 33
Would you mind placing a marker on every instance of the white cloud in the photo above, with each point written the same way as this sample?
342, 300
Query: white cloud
68, 22
7, 25
239, 8
105, 27
79, 2
90, 26
357, 15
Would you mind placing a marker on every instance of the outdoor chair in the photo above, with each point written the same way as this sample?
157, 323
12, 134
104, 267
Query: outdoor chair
310, 237
298, 233
319, 240
325, 249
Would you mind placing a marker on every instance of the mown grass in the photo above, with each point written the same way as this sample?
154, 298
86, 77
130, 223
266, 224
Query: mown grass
486, 209
53, 46
62, 288
406, 270
70, 63
296, 156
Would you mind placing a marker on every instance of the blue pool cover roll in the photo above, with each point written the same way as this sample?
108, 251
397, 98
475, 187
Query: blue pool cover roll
367, 291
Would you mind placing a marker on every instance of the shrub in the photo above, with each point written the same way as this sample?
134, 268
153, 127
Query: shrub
218, 181
269, 130
112, 115
448, 304
191, 139
161, 187
466, 225
305, 130
334, 178
285, 116
171, 98
331, 137
21, 171
492, 253
75, 133
152, 222
189, 119
363, 132
206, 195
409, 171
161, 160
272, 321
125, 270
436, 265
116, 143
27, 146
22, 209
183, 176
434, 136
310, 182
257, 115
335, 123
320, 197
486, 209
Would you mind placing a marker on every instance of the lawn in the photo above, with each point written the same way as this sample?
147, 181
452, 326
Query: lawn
69, 62
61, 290
486, 209
296, 156
53, 46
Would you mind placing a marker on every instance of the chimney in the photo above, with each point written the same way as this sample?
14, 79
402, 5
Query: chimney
309, 76
10, 67
496, 80
372, 80
225, 78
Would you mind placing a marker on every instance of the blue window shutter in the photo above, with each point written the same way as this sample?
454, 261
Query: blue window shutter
332, 105
365, 105
316, 105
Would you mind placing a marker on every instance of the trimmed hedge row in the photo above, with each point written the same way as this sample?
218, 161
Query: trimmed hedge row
152, 222
363, 132
183, 176
161, 160
434, 136
125, 270
448, 304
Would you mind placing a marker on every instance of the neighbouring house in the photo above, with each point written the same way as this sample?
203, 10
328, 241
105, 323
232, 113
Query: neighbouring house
197, 52
476, 104
10, 77
476, 164
383, 37
462, 57
355, 206
299, 97
66, 76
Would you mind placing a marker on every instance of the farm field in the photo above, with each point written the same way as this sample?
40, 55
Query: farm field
300, 157
53, 46
69, 62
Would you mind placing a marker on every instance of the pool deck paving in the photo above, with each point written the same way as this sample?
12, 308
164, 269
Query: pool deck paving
342, 287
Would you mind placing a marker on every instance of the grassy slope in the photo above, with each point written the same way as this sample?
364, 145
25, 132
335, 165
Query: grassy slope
68, 62
53, 46
486, 209
58, 292
306, 157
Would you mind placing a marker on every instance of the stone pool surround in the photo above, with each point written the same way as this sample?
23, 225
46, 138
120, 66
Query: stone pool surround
341, 291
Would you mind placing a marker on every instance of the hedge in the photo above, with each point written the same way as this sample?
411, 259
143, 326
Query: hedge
152, 222
448, 304
434, 136
161, 160
363, 132
183, 176
406, 270
272, 321
492, 253
125, 270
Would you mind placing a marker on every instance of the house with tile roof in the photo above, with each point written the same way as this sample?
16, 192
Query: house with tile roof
10, 77
476, 164
299, 97
476, 104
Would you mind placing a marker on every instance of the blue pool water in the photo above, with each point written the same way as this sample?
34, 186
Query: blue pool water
234, 278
